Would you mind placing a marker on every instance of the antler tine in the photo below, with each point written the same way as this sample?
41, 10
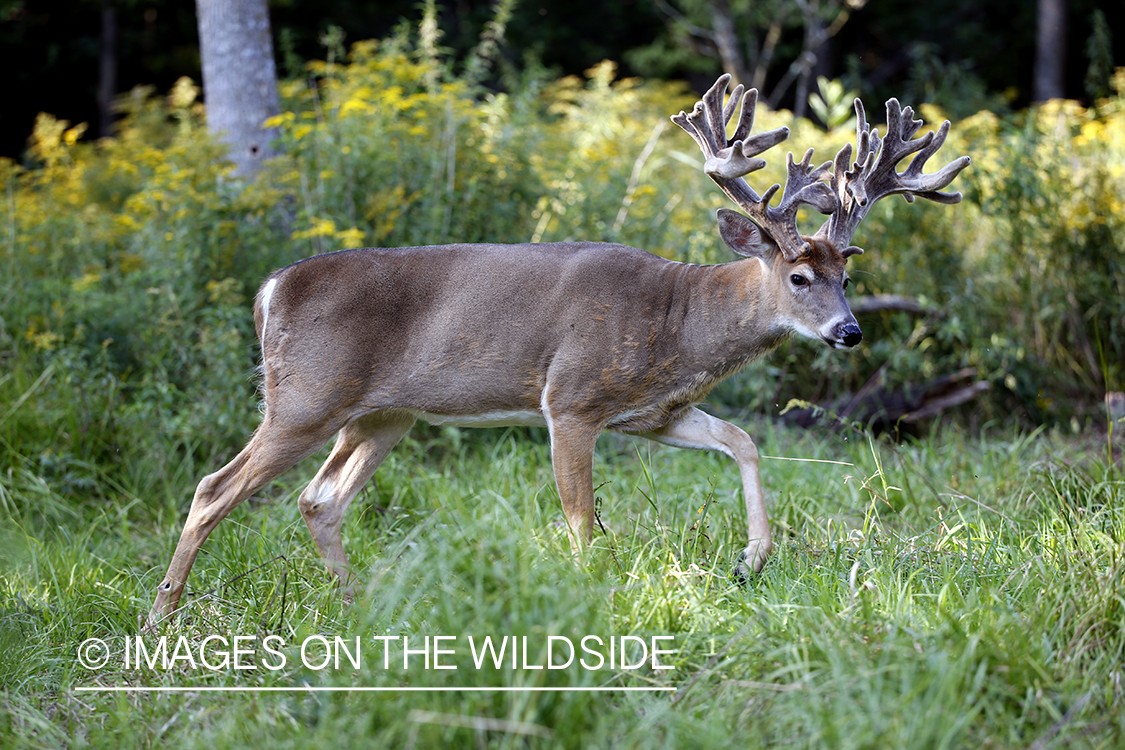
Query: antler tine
748, 106
717, 114
727, 161
867, 139
928, 185
874, 174
803, 186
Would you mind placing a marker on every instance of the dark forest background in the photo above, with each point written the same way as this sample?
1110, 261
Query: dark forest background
72, 57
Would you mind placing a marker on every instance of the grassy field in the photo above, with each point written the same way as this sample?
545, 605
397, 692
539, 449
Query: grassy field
954, 591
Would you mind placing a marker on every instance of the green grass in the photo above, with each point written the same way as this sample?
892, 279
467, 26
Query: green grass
956, 591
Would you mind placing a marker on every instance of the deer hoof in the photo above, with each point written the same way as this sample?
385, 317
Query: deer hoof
742, 573
750, 562
148, 625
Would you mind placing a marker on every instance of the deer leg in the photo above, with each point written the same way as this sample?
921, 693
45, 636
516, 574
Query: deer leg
572, 457
274, 448
697, 429
360, 448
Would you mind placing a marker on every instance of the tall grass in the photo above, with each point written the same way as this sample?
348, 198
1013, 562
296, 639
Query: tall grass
953, 592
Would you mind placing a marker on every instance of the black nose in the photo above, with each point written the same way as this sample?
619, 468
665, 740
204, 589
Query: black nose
850, 334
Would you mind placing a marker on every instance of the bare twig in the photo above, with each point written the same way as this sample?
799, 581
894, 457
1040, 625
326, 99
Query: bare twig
635, 177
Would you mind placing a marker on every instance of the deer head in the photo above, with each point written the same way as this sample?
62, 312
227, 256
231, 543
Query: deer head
771, 234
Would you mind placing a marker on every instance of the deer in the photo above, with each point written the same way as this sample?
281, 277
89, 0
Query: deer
580, 337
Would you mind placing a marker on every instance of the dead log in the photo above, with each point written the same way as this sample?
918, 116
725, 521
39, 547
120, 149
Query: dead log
887, 410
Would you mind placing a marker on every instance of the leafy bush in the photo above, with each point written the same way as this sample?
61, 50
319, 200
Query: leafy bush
1026, 276
130, 263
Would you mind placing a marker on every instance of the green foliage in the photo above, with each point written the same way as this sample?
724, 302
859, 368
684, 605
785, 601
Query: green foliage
1051, 194
954, 85
833, 104
130, 263
1099, 51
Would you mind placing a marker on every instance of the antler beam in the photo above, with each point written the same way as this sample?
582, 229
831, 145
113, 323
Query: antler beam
727, 161
853, 187
873, 175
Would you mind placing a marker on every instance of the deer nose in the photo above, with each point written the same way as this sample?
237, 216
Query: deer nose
850, 334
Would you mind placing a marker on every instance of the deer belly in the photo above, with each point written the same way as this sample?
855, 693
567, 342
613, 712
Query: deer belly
485, 419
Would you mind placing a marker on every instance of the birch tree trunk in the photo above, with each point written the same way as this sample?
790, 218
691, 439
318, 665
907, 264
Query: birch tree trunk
239, 78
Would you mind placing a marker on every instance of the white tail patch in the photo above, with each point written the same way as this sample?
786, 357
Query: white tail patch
545, 410
264, 301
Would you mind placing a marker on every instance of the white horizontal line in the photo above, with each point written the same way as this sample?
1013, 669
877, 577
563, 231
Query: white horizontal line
323, 689
809, 460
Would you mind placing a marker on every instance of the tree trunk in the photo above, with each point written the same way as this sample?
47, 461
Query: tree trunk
727, 43
1050, 51
239, 78
107, 69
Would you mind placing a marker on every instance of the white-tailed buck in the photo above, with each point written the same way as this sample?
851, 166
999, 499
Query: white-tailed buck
578, 336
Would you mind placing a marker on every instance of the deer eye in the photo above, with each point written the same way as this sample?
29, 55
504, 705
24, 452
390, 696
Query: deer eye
846, 282
798, 280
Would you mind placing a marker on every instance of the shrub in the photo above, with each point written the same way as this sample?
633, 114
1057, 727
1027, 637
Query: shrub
131, 263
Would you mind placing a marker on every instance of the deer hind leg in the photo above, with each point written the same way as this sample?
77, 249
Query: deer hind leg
360, 448
697, 429
275, 447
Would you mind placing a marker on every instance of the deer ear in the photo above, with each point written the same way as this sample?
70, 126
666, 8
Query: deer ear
743, 235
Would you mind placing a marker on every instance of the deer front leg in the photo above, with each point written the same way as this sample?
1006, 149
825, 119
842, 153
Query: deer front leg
697, 429
572, 457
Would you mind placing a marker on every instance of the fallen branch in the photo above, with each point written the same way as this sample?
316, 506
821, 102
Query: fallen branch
889, 303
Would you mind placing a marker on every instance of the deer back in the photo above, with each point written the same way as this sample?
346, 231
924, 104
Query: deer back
478, 331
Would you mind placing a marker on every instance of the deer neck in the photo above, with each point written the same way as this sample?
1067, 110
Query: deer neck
730, 320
